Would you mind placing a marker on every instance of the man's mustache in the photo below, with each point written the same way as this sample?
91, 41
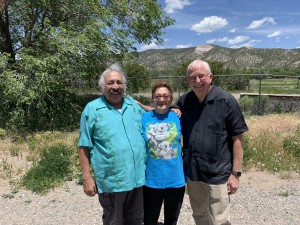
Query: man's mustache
115, 91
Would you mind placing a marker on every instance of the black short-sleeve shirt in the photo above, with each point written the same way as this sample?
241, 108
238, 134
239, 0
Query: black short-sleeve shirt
207, 129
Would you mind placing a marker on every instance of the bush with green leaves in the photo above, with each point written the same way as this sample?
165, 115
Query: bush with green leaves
143, 99
292, 144
246, 103
51, 47
53, 168
138, 77
260, 105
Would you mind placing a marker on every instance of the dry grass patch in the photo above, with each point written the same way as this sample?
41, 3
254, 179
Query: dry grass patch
283, 124
267, 142
17, 155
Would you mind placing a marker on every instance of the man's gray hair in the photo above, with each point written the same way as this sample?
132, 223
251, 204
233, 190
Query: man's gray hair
114, 67
196, 65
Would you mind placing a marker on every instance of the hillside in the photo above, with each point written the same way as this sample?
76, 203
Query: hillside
168, 59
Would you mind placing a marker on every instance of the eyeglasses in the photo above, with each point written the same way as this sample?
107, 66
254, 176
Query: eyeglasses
200, 76
158, 97
110, 83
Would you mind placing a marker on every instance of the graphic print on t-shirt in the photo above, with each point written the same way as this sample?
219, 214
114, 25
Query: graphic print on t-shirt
161, 139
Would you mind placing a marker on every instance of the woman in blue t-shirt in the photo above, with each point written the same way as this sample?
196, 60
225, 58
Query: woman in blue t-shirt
164, 170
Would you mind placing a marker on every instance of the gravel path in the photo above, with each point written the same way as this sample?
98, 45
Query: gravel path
263, 198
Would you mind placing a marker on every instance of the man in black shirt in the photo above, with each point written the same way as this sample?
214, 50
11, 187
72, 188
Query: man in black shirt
212, 129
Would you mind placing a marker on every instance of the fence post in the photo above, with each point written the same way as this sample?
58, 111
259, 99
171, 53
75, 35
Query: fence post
259, 95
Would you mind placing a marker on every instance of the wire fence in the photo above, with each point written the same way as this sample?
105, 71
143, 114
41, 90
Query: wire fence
257, 94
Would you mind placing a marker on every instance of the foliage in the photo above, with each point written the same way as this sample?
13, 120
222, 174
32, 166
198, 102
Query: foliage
180, 82
273, 84
225, 78
235, 82
292, 144
272, 143
50, 47
142, 99
53, 168
138, 77
266, 153
248, 154
246, 104
2, 133
260, 105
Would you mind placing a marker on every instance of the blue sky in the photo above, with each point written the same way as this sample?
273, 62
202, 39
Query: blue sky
231, 23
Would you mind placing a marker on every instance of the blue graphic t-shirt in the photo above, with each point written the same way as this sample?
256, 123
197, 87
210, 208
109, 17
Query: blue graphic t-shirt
162, 133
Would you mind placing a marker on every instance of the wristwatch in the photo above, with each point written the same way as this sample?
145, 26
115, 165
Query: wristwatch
236, 173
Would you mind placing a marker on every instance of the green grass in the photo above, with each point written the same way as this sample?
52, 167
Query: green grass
285, 194
276, 86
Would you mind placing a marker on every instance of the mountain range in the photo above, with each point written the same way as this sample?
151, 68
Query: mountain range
159, 60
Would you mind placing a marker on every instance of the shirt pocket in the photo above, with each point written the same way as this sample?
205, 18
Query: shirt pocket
216, 123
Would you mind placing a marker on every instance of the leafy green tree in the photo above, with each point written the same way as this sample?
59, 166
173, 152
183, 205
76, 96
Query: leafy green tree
217, 68
222, 77
180, 83
138, 77
48, 48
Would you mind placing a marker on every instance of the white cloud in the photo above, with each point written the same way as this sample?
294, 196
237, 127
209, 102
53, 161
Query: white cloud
209, 24
233, 30
259, 23
172, 5
150, 46
247, 44
211, 41
230, 41
238, 39
274, 34
184, 46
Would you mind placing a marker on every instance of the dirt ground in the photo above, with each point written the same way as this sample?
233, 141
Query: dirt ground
260, 180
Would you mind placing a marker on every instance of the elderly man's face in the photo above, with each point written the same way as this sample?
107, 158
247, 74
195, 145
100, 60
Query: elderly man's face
200, 80
113, 90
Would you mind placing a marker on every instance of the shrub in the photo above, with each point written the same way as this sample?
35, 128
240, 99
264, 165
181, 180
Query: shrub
2, 133
260, 105
53, 169
246, 104
248, 152
292, 144
142, 99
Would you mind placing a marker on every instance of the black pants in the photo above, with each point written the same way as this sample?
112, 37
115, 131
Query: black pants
153, 199
122, 208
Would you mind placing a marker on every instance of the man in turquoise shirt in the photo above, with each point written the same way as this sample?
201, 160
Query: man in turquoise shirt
110, 140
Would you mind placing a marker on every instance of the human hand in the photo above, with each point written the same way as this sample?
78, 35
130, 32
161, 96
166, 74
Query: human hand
89, 187
233, 184
145, 107
177, 111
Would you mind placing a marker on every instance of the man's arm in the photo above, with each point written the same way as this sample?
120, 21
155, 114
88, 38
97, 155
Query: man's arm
145, 107
89, 185
233, 181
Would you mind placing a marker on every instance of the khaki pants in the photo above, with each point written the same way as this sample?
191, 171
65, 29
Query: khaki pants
210, 203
